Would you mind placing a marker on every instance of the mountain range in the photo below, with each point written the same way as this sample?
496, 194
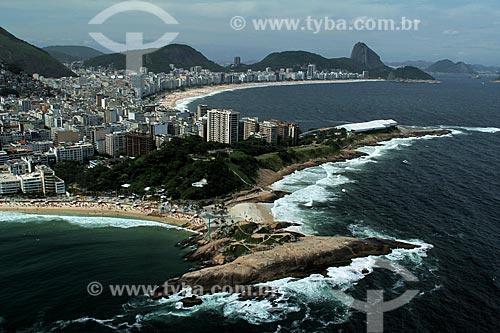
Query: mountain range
29, 58
362, 59
448, 66
182, 56
70, 53
32, 59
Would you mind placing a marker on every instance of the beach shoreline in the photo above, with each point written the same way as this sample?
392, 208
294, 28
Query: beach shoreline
181, 99
256, 212
93, 211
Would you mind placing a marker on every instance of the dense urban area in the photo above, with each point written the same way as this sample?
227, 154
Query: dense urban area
94, 132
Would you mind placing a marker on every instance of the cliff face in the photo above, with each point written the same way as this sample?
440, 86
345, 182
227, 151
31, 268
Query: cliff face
362, 54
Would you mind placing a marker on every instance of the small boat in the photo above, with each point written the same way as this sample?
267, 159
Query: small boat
406, 162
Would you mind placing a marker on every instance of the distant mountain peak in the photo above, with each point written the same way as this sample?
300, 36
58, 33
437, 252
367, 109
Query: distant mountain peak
448, 66
366, 56
70, 53
159, 60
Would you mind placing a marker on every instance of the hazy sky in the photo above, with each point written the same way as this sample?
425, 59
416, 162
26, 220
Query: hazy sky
455, 29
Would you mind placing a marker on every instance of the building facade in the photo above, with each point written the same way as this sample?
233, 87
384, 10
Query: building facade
223, 126
115, 144
138, 143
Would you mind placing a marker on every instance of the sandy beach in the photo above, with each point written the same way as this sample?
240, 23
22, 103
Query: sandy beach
103, 209
252, 212
255, 212
180, 99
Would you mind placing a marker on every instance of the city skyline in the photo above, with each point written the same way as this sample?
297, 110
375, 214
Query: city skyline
459, 31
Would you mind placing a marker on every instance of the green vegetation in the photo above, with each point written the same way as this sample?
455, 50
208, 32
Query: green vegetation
279, 160
300, 59
184, 161
4, 92
409, 72
182, 56
29, 58
174, 168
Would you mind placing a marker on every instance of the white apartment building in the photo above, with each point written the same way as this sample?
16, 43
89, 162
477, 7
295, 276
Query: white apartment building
31, 183
269, 131
223, 126
9, 184
77, 152
250, 127
115, 143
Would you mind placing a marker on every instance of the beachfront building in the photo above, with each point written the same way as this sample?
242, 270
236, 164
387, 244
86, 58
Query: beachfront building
42, 180
31, 183
223, 126
17, 167
51, 184
9, 184
201, 111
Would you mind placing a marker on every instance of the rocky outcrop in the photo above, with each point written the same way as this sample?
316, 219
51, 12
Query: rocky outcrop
231, 241
362, 54
298, 259
267, 177
256, 195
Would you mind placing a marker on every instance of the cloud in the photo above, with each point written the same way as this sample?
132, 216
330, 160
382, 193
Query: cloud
204, 24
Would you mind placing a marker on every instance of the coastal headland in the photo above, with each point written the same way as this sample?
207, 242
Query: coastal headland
247, 246
254, 250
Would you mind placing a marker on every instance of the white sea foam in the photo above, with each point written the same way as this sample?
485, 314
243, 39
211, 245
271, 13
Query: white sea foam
116, 323
480, 129
289, 295
82, 221
461, 129
414, 255
324, 184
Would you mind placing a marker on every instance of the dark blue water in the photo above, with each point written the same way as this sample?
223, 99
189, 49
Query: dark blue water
446, 201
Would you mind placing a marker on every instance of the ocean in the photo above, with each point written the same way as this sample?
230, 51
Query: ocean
445, 200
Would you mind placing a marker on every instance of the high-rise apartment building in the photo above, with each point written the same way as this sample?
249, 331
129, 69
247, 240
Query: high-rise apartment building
223, 126
138, 143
